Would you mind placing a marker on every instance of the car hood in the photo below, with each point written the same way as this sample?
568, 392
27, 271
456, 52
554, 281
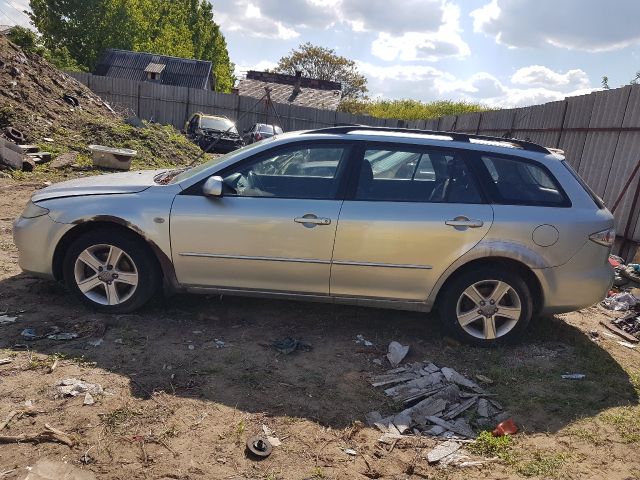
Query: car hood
114, 183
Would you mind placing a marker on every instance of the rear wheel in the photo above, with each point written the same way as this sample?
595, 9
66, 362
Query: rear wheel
486, 306
111, 271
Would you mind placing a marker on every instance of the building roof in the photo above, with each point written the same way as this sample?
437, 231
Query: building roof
292, 89
180, 72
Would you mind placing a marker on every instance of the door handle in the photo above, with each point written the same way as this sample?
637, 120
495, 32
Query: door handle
310, 220
464, 222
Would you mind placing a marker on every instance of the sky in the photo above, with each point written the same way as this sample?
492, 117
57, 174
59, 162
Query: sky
499, 53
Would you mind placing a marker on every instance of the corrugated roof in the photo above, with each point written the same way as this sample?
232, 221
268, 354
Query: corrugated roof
314, 93
155, 68
180, 72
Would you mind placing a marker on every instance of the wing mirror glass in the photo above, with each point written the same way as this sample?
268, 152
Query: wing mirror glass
213, 186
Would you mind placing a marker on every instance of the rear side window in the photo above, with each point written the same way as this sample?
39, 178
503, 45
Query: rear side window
523, 183
596, 199
408, 175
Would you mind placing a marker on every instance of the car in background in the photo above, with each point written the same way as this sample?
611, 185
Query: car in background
260, 131
489, 232
213, 133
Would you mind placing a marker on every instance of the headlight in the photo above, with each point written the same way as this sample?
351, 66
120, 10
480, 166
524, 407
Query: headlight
32, 211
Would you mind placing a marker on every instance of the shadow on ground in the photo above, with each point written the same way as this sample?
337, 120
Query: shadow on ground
171, 346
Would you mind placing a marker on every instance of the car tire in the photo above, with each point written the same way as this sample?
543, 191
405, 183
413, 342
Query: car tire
111, 270
486, 306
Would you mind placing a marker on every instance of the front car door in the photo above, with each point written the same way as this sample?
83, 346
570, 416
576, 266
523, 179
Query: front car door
411, 213
272, 230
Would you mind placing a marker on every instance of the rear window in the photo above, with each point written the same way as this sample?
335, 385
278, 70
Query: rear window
596, 199
269, 129
524, 183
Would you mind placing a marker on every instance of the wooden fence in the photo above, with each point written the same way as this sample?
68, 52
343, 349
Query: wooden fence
599, 132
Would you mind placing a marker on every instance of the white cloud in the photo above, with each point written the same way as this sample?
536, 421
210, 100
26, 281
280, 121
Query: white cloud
247, 17
424, 82
445, 41
395, 18
540, 76
262, 65
587, 25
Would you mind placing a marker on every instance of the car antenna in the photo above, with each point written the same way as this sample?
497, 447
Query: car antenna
266, 96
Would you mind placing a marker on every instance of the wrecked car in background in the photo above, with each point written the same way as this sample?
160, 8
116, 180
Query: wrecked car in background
213, 133
489, 232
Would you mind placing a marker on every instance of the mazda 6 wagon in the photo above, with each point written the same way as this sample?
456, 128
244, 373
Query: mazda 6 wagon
490, 232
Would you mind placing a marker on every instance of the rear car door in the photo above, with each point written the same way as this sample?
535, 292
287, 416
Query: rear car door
411, 212
272, 230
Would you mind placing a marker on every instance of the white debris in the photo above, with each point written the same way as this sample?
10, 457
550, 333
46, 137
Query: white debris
443, 450
63, 336
397, 352
73, 387
4, 361
574, 376
6, 320
88, 399
627, 344
271, 437
96, 343
350, 451
360, 340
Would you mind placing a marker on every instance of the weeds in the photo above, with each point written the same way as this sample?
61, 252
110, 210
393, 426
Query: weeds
542, 465
486, 445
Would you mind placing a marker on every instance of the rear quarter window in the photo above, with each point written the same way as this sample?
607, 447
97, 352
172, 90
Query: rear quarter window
521, 182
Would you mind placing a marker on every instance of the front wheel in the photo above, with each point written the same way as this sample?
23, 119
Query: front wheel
111, 271
486, 306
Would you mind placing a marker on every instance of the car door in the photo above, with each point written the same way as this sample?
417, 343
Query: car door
272, 229
410, 213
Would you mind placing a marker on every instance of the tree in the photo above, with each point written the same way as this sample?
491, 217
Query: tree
325, 64
181, 28
29, 41
605, 83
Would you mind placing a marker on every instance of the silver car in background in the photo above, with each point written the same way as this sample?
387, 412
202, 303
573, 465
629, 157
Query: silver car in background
491, 232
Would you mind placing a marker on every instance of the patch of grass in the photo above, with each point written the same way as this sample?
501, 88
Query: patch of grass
241, 427
542, 464
488, 446
317, 473
626, 421
118, 417
409, 109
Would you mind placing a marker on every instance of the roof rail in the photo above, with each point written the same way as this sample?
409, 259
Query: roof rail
457, 136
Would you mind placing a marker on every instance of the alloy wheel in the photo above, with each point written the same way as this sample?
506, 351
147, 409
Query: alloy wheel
488, 309
106, 274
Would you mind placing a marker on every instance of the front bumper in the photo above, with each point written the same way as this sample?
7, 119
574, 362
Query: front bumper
581, 282
223, 145
36, 239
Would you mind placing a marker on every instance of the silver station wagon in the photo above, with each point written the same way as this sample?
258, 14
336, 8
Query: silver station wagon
490, 232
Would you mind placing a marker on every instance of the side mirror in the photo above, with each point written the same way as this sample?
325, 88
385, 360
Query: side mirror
213, 187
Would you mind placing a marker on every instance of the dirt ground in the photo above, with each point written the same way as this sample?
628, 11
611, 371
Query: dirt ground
178, 407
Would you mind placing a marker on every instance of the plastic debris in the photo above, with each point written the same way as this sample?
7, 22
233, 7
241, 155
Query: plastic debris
96, 343
220, 343
63, 336
574, 376
620, 302
46, 469
72, 387
5, 361
508, 427
627, 344
6, 320
397, 352
350, 451
360, 340
191, 347
29, 334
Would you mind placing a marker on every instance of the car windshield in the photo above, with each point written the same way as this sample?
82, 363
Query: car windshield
217, 123
269, 129
221, 158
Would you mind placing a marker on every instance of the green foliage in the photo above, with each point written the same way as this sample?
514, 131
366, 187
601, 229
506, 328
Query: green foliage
486, 445
545, 465
29, 41
325, 64
81, 29
408, 109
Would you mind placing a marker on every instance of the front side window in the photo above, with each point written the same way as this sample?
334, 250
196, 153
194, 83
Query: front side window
407, 175
297, 172
521, 182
